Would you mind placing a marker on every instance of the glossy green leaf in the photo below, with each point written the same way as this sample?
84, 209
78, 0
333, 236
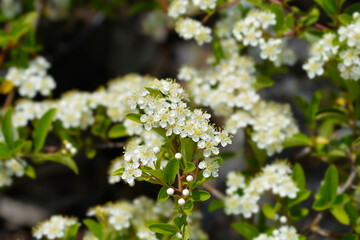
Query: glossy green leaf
30, 171
345, 19
298, 176
179, 221
328, 190
217, 49
42, 129
200, 195
298, 139
188, 207
269, 211
340, 214
94, 227
71, 232
302, 195
186, 232
4, 151
117, 131
350, 236
351, 210
163, 228
215, 205
246, 229
134, 117
352, 8
6, 127
59, 158
171, 170
263, 81
188, 146
162, 195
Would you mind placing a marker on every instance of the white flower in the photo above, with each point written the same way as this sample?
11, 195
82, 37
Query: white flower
314, 67
210, 167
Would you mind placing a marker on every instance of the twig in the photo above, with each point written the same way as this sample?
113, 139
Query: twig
230, 4
214, 191
9, 99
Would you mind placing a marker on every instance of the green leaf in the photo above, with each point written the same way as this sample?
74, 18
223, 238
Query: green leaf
269, 211
290, 20
154, 92
263, 81
352, 8
94, 227
30, 171
134, 117
217, 49
279, 17
187, 149
332, 113
352, 212
350, 236
189, 167
4, 151
156, 173
260, 154
42, 128
345, 19
162, 195
320, 204
189, 205
170, 171
163, 228
329, 6
6, 127
298, 139
215, 205
298, 214
312, 17
186, 232
179, 221
117, 131
313, 108
246, 229
328, 190
119, 171
200, 195
298, 176
71, 232
340, 214
62, 159
302, 195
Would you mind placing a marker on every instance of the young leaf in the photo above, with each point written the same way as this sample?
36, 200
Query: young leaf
6, 127
269, 211
189, 205
42, 128
117, 131
298, 139
62, 159
162, 195
216, 204
186, 232
163, 228
217, 49
94, 227
340, 214
170, 171
298, 176
134, 117
200, 195
246, 229
328, 190
30, 171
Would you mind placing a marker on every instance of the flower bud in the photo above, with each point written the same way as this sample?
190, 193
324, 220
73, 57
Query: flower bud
178, 155
189, 178
170, 191
185, 192
181, 202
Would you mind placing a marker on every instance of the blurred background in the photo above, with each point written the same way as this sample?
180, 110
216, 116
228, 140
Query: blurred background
100, 40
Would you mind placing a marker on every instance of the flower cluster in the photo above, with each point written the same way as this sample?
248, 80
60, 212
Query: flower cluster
228, 89
275, 178
171, 113
148, 138
33, 79
125, 217
283, 233
250, 32
10, 168
189, 28
75, 109
342, 46
137, 156
56, 227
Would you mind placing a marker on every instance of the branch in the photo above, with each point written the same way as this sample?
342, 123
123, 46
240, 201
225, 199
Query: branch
214, 191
